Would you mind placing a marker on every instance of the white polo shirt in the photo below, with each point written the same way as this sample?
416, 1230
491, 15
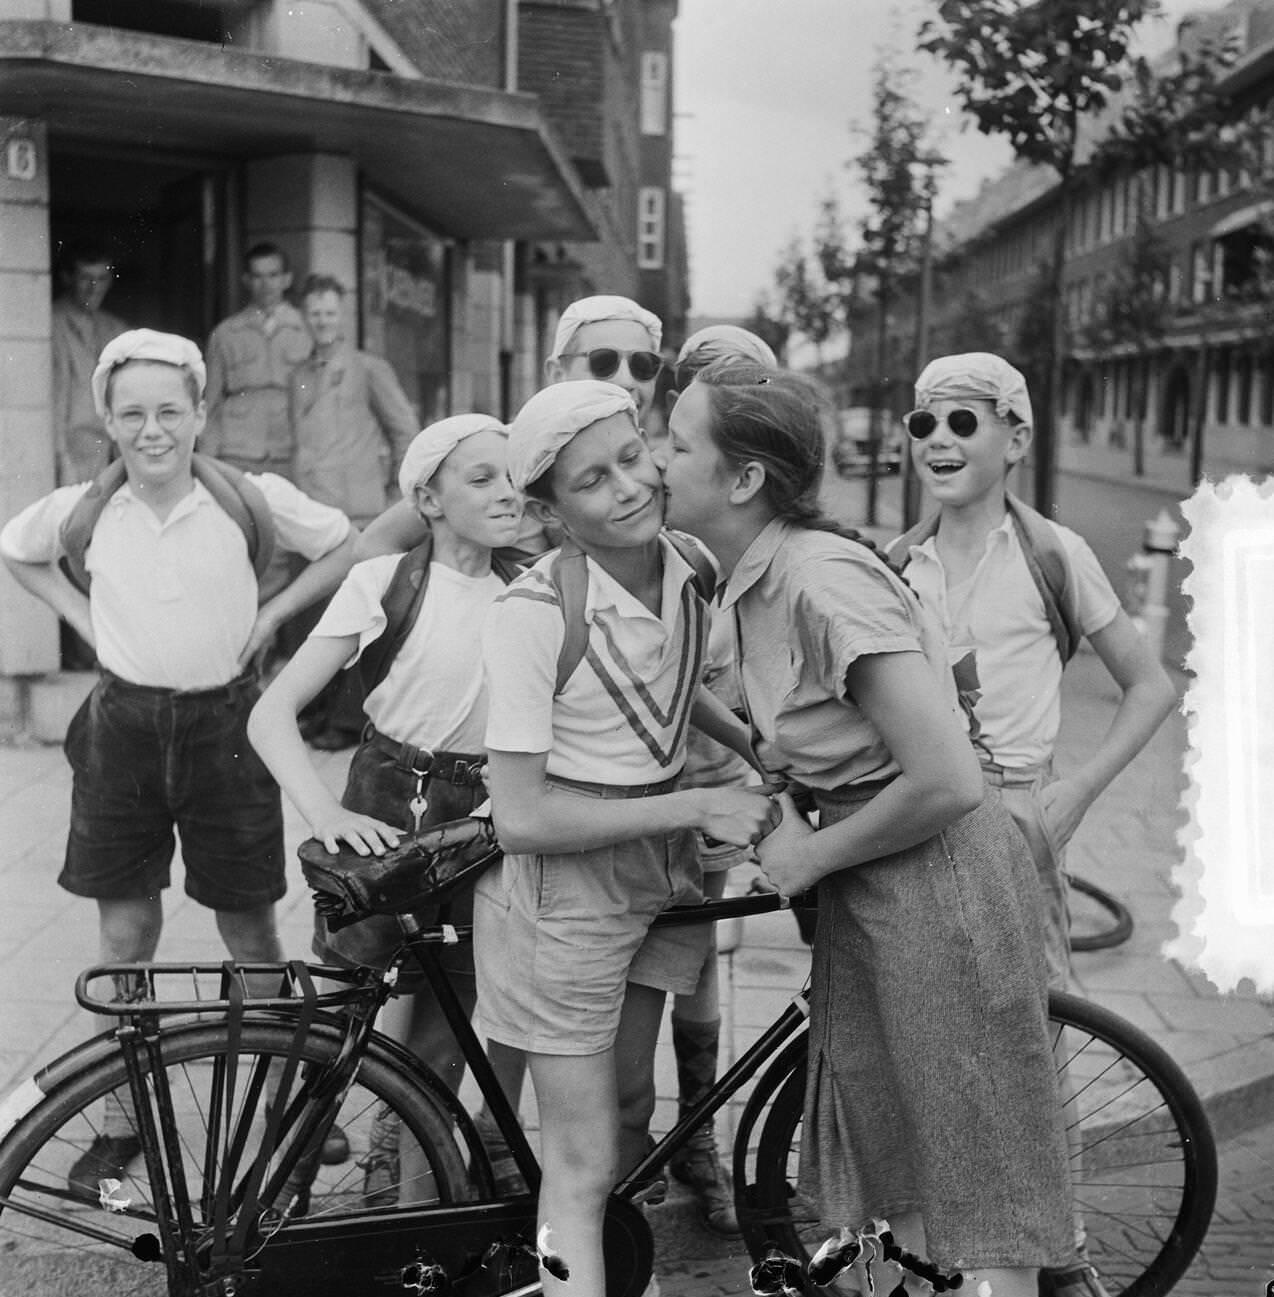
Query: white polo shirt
998, 616
621, 717
434, 694
173, 602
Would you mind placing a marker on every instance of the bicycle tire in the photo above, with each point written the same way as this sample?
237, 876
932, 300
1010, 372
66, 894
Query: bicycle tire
1144, 1176
1119, 917
37, 1152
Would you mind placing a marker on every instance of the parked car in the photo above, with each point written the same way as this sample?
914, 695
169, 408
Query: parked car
851, 452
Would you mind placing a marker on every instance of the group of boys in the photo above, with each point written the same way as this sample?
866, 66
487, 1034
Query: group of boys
172, 608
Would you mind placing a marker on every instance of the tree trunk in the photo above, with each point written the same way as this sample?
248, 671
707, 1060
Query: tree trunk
875, 427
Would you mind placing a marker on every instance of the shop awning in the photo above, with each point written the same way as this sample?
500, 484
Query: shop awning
471, 162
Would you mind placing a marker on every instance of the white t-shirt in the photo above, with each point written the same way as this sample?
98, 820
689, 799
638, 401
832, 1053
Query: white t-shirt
434, 694
998, 616
173, 602
621, 718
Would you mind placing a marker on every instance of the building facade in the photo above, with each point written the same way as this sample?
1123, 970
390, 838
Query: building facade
467, 166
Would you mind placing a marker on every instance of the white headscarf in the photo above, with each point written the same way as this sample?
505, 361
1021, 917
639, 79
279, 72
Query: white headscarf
433, 444
553, 416
592, 310
146, 344
718, 340
977, 374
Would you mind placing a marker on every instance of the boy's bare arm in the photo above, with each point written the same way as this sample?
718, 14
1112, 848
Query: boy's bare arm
274, 733
531, 816
1148, 697
317, 580
47, 582
397, 530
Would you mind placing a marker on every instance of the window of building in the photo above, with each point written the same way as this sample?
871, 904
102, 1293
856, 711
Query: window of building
1200, 272
1203, 187
650, 228
1221, 374
654, 93
1121, 205
1174, 281
1163, 191
1178, 191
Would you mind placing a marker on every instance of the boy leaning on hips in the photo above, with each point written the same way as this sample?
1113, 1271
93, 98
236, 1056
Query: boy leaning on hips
979, 563
583, 778
171, 609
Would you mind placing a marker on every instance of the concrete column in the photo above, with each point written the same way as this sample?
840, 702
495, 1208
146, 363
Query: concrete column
307, 203
462, 393
28, 630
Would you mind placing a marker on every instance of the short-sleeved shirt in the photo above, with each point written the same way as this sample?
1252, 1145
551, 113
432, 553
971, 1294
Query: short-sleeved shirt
710, 764
807, 605
250, 363
621, 717
434, 693
998, 616
173, 602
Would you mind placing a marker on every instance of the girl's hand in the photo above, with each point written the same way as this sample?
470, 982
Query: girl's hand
368, 836
739, 816
786, 855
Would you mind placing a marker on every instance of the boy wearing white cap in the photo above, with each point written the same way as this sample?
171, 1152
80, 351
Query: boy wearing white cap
172, 611
582, 774
426, 702
1016, 592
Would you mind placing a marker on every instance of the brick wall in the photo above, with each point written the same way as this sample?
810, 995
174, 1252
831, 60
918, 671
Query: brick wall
448, 40
562, 58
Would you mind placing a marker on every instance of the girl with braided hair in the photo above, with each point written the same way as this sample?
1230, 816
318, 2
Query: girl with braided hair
931, 1097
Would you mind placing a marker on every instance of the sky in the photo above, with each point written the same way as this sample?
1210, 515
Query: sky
766, 93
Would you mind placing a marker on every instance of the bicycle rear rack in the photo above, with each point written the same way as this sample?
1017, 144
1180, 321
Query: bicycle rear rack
126, 990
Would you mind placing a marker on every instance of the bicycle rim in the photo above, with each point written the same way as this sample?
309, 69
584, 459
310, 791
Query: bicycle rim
1143, 1168
83, 1243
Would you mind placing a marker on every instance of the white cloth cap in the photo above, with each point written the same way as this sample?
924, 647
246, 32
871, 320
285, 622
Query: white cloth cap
591, 310
146, 344
553, 416
975, 374
717, 341
433, 444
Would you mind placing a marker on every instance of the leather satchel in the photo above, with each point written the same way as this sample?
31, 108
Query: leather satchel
421, 870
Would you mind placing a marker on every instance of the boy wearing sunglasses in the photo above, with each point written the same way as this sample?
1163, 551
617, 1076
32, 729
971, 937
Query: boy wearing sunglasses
971, 563
987, 565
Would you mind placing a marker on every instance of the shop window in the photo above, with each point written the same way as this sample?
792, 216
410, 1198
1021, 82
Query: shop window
654, 93
190, 22
650, 228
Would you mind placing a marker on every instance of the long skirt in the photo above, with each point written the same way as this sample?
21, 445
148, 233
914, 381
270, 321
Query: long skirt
932, 1085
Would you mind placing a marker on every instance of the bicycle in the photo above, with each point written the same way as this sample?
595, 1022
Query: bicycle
231, 1094
1099, 921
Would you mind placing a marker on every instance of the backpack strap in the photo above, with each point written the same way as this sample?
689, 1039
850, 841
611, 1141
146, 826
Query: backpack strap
77, 527
401, 603
244, 502
899, 549
1050, 569
229, 488
569, 575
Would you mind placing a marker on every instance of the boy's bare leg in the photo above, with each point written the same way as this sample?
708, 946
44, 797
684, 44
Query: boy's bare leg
577, 1103
635, 1067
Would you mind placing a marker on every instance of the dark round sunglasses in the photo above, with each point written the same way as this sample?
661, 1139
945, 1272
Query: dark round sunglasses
921, 423
604, 361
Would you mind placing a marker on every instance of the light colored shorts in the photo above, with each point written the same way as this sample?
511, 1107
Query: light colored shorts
558, 937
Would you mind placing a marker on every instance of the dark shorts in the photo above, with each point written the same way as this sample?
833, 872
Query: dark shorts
379, 785
150, 761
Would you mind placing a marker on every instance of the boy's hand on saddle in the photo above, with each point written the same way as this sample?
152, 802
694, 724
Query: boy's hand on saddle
785, 854
739, 816
368, 836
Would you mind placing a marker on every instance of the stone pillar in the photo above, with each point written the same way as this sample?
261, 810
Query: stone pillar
307, 203
28, 630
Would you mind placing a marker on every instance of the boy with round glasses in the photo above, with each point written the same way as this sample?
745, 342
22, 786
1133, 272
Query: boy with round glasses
1015, 592
169, 599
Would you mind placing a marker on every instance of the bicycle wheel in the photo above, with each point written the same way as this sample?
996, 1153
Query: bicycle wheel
57, 1239
1143, 1164
1098, 919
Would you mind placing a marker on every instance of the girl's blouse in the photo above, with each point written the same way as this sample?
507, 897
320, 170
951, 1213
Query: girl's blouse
806, 605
